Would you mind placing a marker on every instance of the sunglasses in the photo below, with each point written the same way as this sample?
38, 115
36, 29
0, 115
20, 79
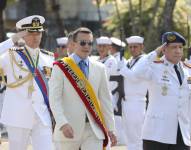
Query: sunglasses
83, 43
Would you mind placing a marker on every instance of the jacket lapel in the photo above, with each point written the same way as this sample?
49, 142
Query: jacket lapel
185, 74
91, 72
173, 73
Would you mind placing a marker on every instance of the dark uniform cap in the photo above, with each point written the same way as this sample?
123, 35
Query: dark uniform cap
32, 23
173, 37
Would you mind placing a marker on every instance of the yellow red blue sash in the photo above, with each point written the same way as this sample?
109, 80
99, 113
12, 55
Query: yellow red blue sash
37, 73
84, 90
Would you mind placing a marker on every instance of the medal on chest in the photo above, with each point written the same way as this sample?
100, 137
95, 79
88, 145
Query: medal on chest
164, 88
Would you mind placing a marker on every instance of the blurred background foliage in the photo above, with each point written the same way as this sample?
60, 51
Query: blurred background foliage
147, 18
151, 18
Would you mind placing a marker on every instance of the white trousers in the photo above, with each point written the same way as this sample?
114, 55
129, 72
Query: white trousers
88, 141
133, 118
120, 132
40, 136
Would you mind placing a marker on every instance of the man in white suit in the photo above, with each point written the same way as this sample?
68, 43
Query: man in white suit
168, 120
75, 125
25, 109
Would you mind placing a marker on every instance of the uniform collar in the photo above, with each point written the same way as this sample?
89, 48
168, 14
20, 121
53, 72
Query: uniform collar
103, 59
116, 54
171, 65
33, 52
77, 59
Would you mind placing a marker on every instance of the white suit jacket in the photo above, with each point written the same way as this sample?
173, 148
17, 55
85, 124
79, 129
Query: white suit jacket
67, 107
169, 102
18, 109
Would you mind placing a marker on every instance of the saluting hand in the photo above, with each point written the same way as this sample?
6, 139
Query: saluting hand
17, 36
67, 131
160, 48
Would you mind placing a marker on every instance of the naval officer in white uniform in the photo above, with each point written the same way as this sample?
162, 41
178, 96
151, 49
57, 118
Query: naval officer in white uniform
167, 121
25, 112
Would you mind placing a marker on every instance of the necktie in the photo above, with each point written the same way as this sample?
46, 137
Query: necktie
178, 74
82, 66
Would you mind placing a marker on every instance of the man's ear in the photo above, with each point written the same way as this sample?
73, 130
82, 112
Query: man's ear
142, 46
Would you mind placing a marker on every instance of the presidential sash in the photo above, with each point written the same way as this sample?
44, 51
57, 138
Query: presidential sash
38, 76
84, 90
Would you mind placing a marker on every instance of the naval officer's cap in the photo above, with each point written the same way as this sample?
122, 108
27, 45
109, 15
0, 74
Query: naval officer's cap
118, 42
62, 41
32, 23
135, 39
103, 40
173, 37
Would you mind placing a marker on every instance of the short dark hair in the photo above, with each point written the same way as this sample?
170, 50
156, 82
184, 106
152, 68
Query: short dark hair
80, 30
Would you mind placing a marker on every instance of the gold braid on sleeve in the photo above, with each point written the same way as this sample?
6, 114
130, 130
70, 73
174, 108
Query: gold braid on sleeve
18, 81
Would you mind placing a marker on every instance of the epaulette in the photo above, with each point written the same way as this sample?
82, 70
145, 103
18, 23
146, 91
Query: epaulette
47, 52
17, 48
158, 61
187, 65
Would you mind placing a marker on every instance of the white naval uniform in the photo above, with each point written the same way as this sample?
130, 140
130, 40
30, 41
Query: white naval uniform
3, 48
121, 138
25, 116
169, 102
111, 68
134, 106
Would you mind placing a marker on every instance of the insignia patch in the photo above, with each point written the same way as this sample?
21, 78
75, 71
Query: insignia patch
164, 90
35, 22
47, 71
171, 37
158, 61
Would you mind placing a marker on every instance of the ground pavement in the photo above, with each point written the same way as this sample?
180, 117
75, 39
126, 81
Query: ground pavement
4, 146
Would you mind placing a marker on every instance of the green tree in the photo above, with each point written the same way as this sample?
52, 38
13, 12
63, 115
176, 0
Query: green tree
150, 19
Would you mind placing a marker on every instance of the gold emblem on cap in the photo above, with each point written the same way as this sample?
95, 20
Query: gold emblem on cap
171, 37
35, 23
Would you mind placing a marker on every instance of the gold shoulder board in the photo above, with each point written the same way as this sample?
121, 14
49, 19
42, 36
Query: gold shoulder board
47, 52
